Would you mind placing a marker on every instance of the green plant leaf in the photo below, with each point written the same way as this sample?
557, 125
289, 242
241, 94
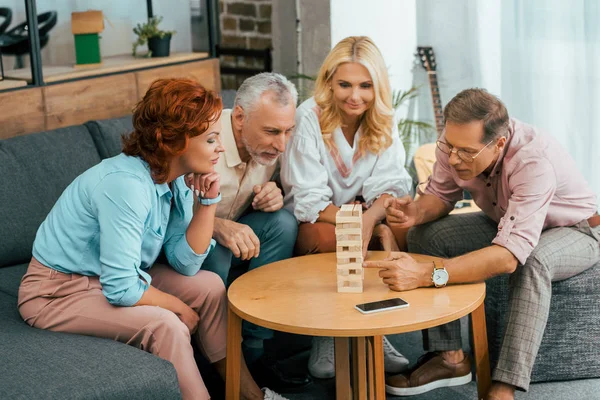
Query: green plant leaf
147, 30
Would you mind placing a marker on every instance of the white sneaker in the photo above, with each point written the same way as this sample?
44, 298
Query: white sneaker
271, 395
394, 362
321, 363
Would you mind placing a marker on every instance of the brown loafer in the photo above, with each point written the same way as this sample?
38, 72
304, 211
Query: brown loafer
431, 372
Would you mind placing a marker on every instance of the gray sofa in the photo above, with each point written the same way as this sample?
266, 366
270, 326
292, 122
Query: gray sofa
36, 168
37, 364
570, 347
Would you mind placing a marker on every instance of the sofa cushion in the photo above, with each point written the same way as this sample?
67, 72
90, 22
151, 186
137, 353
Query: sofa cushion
10, 278
42, 364
107, 134
35, 169
570, 348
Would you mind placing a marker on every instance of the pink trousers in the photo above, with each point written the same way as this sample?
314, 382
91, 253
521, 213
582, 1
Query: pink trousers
74, 303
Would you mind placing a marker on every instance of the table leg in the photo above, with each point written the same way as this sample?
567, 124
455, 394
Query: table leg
234, 355
342, 369
482, 357
370, 369
359, 368
376, 343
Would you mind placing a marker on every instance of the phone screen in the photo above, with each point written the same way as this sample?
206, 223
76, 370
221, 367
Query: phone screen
382, 305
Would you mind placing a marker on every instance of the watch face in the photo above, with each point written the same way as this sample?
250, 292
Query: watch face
440, 277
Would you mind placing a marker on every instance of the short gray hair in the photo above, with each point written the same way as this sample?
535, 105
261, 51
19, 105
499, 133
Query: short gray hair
254, 87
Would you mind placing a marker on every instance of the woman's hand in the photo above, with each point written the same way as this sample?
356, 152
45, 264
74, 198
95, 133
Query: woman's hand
386, 238
204, 185
368, 225
189, 317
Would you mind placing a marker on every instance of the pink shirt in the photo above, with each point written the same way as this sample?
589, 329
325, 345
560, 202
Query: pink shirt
534, 186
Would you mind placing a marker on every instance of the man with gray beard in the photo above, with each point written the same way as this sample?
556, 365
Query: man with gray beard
251, 228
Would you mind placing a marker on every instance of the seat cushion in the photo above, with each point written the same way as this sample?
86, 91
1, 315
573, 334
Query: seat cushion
39, 364
570, 347
10, 278
35, 169
107, 134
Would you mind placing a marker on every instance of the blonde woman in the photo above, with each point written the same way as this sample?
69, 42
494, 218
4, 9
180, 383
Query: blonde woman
345, 149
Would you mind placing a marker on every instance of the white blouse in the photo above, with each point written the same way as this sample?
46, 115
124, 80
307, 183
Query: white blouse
312, 179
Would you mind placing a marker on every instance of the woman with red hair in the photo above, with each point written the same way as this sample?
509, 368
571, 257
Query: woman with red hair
93, 270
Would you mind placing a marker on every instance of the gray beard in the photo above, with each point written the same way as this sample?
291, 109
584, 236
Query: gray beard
257, 157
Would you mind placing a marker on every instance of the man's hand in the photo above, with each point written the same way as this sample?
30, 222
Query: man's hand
189, 317
267, 197
239, 238
401, 272
402, 212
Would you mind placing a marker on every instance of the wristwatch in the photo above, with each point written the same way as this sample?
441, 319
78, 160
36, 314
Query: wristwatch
440, 275
208, 202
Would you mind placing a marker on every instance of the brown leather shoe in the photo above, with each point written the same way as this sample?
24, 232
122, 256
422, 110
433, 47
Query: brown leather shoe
431, 372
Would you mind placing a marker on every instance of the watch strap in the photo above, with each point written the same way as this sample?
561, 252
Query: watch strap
209, 202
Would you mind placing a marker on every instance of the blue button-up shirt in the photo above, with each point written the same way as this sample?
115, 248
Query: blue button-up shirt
112, 222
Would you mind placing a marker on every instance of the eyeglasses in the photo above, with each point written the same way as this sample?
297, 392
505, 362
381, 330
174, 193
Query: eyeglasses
463, 155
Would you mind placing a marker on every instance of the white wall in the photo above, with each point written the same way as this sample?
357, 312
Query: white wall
118, 36
392, 25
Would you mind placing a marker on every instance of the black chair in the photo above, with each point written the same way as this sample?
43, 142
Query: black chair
264, 54
15, 42
6, 14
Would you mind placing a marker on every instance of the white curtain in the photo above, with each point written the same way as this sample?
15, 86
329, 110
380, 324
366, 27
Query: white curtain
541, 57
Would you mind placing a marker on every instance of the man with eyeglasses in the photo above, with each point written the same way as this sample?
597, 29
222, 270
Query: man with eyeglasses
538, 211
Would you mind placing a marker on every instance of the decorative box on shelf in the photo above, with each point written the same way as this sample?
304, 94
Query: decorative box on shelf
86, 27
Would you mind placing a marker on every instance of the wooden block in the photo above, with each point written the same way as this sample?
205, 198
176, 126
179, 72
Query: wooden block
344, 237
346, 210
349, 243
357, 211
348, 231
349, 225
349, 266
350, 287
351, 277
350, 219
350, 254
354, 249
349, 238
87, 22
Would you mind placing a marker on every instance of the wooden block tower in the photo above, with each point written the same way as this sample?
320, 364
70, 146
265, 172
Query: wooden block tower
348, 234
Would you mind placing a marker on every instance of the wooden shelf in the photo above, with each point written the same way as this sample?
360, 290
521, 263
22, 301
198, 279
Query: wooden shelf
11, 84
121, 63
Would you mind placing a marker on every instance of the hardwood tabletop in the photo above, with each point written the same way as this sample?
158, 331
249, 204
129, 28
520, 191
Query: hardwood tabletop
299, 295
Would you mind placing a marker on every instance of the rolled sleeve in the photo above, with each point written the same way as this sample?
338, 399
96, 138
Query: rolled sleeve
532, 186
441, 183
389, 175
122, 204
304, 179
184, 259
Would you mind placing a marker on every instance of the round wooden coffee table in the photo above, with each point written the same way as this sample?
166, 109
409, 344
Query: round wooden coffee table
299, 295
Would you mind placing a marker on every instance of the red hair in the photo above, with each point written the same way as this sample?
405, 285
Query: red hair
171, 112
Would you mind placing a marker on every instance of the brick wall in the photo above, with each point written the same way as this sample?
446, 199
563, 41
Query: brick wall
244, 24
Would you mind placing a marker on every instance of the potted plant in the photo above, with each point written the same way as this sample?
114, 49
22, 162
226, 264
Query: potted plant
159, 41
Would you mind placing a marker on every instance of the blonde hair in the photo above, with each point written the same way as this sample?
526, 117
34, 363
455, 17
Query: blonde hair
376, 122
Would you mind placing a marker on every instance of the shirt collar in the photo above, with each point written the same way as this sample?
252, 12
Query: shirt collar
499, 161
232, 155
161, 188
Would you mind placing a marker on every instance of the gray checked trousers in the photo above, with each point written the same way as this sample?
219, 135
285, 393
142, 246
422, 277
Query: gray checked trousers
560, 254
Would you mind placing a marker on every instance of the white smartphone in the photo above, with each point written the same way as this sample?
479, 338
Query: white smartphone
381, 305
